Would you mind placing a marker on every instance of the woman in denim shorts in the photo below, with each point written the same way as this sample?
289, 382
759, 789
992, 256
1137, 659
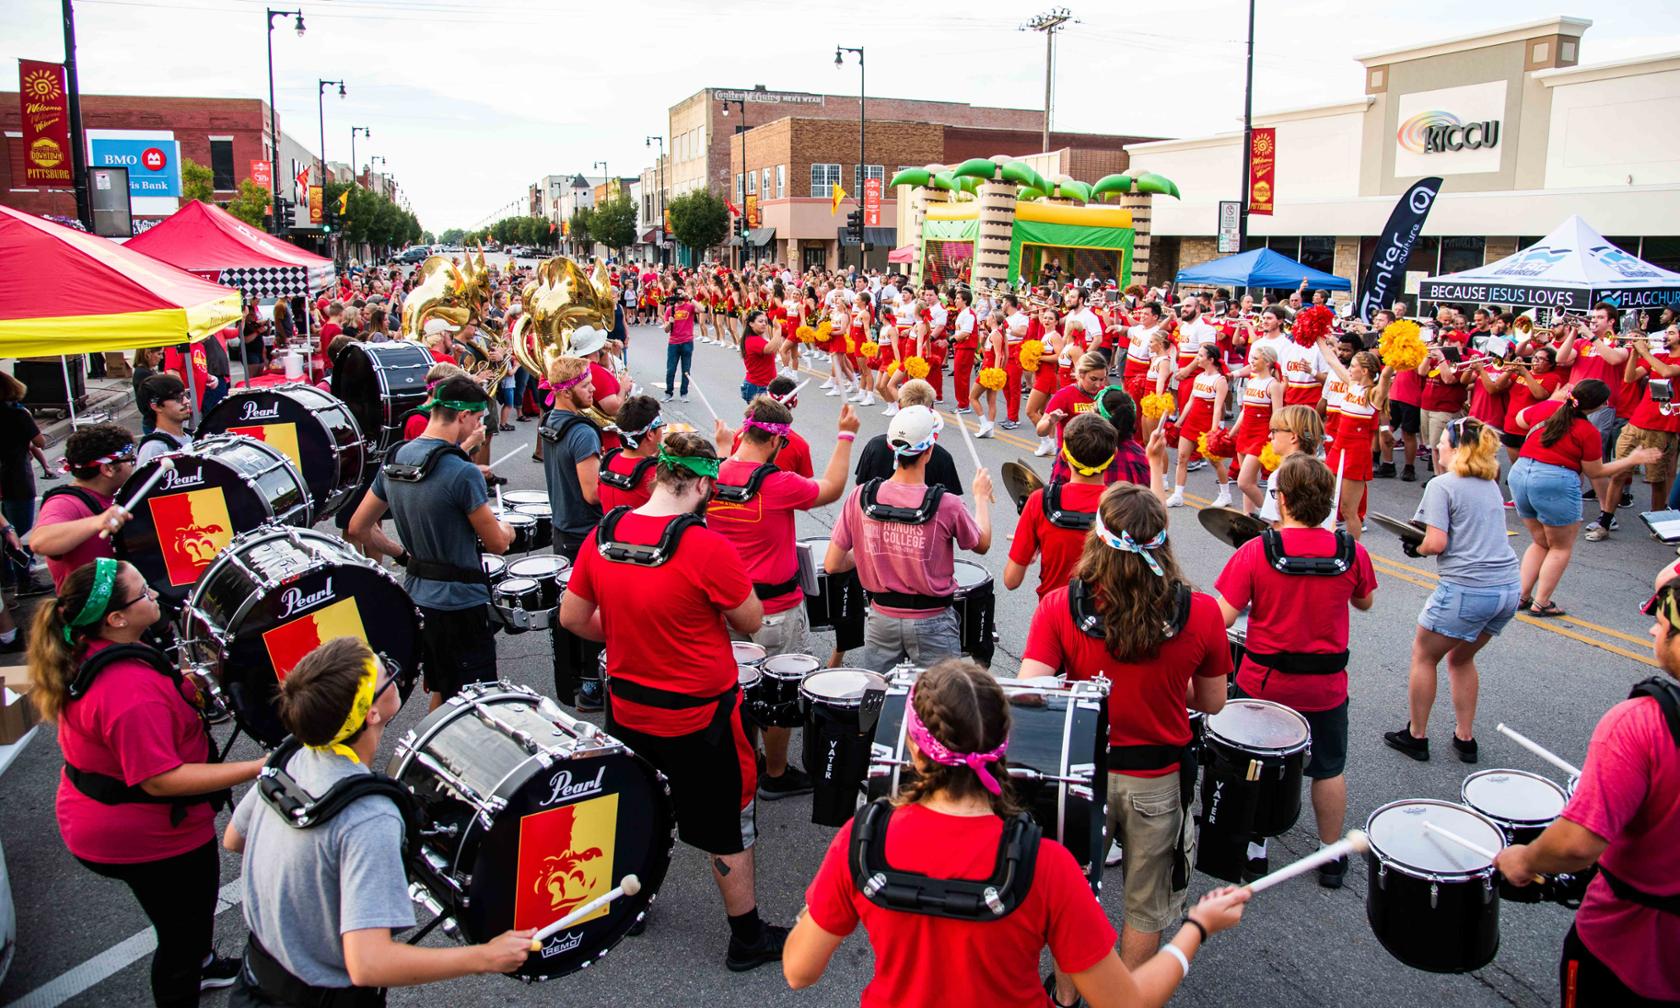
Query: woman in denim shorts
1480, 582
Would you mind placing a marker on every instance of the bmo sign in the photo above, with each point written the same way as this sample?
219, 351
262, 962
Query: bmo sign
153, 160
1451, 131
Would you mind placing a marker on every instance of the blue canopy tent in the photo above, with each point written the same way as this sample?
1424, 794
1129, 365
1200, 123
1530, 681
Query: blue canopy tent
1260, 268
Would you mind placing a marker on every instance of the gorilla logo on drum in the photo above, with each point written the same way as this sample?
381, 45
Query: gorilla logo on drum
565, 860
201, 542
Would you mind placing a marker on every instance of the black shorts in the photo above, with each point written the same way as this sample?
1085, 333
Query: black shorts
1512, 441
1329, 739
1584, 979
712, 773
1405, 417
456, 648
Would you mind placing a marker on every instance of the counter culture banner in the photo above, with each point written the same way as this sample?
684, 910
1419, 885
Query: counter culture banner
1386, 276
46, 123
1262, 168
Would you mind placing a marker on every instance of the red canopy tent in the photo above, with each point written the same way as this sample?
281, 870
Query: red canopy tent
218, 246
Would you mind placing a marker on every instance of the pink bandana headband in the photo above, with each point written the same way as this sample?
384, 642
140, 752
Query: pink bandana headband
935, 750
779, 429
563, 386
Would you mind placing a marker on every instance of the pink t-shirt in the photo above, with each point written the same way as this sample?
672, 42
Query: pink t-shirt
681, 316
913, 559
68, 508
1629, 794
762, 528
133, 725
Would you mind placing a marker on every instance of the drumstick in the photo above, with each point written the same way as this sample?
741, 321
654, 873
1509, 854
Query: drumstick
1468, 845
788, 397
1353, 843
705, 402
509, 455
1537, 749
629, 887
1336, 498
165, 465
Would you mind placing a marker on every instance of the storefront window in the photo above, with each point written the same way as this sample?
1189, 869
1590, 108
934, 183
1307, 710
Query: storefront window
1318, 252
1460, 253
1426, 256
1664, 252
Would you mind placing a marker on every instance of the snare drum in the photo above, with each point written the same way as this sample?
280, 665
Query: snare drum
775, 701
1058, 759
1432, 903
521, 593
748, 652
975, 602
524, 528
1522, 805
315, 430
542, 537
381, 382
547, 571
1253, 756
277, 593
531, 814
838, 604
495, 568
840, 708
220, 487
520, 498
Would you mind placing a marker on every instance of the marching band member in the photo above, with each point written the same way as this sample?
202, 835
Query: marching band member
141, 784
949, 825
1017, 322
899, 534
572, 472
441, 508
965, 337
164, 400
100, 459
1203, 410
626, 473
1139, 356
322, 901
662, 591
1057, 518
1297, 568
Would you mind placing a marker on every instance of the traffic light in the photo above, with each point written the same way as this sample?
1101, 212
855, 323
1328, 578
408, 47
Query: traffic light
854, 227
741, 227
329, 216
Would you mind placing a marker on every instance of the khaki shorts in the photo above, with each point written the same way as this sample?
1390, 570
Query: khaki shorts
784, 633
1145, 817
1433, 425
1634, 438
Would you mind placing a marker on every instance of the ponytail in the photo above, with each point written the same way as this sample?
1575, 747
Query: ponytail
56, 648
1587, 396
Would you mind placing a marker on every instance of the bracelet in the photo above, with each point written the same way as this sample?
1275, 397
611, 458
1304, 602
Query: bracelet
1183, 960
1193, 922
845, 436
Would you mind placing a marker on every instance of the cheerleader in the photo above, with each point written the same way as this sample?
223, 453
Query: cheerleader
1204, 410
995, 345
1046, 380
862, 324
1161, 367
1365, 398
1262, 396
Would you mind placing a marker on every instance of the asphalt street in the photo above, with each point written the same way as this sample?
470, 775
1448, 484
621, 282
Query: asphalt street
1299, 945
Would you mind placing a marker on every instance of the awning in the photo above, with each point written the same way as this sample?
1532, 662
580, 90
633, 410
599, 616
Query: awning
755, 237
214, 244
902, 254
651, 236
872, 235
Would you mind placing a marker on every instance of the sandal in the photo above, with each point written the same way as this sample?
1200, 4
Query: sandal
1548, 611
1525, 602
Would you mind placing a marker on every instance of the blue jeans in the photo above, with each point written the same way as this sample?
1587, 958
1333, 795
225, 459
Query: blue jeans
21, 515
675, 353
1465, 613
749, 391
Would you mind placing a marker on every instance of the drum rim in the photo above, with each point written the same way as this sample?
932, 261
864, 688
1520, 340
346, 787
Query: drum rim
1392, 863
1464, 796
840, 701
1259, 750
341, 492
546, 558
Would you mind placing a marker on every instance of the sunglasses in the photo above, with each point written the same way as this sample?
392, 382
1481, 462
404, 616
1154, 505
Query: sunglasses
1664, 600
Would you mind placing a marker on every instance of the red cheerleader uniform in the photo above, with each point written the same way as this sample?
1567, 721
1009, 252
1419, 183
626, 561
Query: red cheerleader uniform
1198, 416
1254, 428
1301, 367
1354, 432
1047, 378
1135, 377
1335, 391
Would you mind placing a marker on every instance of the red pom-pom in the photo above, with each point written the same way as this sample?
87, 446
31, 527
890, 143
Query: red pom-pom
1169, 430
1312, 324
1221, 443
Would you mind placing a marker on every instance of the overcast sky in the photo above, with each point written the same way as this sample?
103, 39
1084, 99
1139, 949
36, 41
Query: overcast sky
470, 102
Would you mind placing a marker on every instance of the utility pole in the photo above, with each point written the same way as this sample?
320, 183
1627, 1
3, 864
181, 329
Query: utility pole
78, 145
1050, 22
1248, 138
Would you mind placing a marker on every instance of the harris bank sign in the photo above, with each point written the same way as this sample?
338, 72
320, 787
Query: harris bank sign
1451, 131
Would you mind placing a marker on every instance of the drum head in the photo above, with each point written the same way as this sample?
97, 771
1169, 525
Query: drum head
842, 687
1259, 726
747, 676
538, 567
791, 667
494, 566
535, 510
517, 520
747, 653
316, 432
969, 575
513, 587
380, 382
1397, 837
519, 498
1513, 796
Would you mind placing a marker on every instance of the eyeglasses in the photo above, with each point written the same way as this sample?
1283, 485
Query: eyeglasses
1280, 430
145, 593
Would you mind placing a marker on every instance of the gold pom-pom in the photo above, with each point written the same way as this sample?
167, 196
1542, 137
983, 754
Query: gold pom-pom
916, 367
824, 329
869, 349
1031, 350
1202, 448
1269, 458
1401, 345
1157, 405
806, 334
993, 378
851, 345
892, 368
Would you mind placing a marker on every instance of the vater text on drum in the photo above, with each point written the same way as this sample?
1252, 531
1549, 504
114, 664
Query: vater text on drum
254, 412
176, 478
296, 601
562, 788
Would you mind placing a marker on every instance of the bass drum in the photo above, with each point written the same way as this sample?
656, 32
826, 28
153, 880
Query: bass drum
315, 430
276, 594
531, 814
380, 382
220, 487
1058, 759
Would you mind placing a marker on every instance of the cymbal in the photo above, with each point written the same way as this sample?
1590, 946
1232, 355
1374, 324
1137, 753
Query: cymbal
1019, 481
1230, 525
1408, 531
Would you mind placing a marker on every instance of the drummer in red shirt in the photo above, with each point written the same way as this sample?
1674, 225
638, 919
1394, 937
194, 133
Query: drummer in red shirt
1297, 645
663, 592
1057, 519
100, 459
590, 343
626, 476
753, 506
1129, 615
950, 822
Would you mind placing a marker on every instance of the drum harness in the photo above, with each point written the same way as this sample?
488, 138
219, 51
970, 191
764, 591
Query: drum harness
625, 481
557, 433
168, 440
1079, 521
731, 493
405, 472
920, 515
1335, 565
978, 900
1667, 695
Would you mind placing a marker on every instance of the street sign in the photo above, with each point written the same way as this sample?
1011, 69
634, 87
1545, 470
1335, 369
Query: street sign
872, 202
1230, 226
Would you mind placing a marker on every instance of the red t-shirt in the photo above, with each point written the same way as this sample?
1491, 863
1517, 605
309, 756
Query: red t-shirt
1629, 794
1407, 387
761, 365
1294, 612
606, 384
664, 625
200, 368
328, 331
1072, 400
1581, 442
1521, 398
1589, 363
68, 508
1440, 397
762, 528
624, 465
1061, 546
133, 724
993, 963
1146, 699
1646, 415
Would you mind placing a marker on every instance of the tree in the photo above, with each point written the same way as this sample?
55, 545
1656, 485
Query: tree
699, 219
579, 225
613, 223
452, 236
197, 182
426, 237
251, 205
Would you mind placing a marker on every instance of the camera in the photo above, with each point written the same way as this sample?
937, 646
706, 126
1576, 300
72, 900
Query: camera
1662, 390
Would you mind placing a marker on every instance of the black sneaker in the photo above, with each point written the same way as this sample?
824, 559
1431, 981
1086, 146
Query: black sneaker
219, 972
1408, 475
1626, 499
1256, 867
767, 949
1404, 741
1330, 875
588, 696
1385, 470
793, 781
1465, 751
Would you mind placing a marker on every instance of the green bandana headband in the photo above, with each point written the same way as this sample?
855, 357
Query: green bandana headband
456, 404
699, 465
1102, 410
98, 600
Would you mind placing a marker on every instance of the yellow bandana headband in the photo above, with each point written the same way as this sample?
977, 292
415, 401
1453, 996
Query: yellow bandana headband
357, 717
1085, 470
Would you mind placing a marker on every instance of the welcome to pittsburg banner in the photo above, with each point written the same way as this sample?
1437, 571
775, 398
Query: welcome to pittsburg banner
1262, 169
46, 123
1386, 276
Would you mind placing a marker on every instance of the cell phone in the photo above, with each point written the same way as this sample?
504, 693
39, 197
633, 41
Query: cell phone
1451, 353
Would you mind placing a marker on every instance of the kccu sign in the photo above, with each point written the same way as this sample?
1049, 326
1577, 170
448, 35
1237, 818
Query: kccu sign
1452, 131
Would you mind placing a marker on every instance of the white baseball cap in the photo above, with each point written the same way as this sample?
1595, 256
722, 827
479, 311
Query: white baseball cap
586, 339
913, 430
437, 325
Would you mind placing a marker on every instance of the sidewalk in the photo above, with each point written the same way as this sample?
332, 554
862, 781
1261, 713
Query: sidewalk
104, 395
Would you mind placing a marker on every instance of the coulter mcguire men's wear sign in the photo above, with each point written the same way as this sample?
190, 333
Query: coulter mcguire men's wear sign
46, 124
1262, 171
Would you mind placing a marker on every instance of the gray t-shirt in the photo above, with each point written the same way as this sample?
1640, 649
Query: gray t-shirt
431, 520
572, 514
305, 888
1472, 513
151, 447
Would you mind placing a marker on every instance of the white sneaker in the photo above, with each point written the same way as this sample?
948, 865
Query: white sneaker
855, 397
985, 429
1046, 448
1177, 498
827, 384
1114, 856
891, 410
868, 399
1224, 498
832, 391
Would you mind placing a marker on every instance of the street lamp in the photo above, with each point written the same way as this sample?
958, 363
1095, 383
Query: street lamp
741, 128
863, 163
606, 179
273, 115
354, 132
321, 111
659, 172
